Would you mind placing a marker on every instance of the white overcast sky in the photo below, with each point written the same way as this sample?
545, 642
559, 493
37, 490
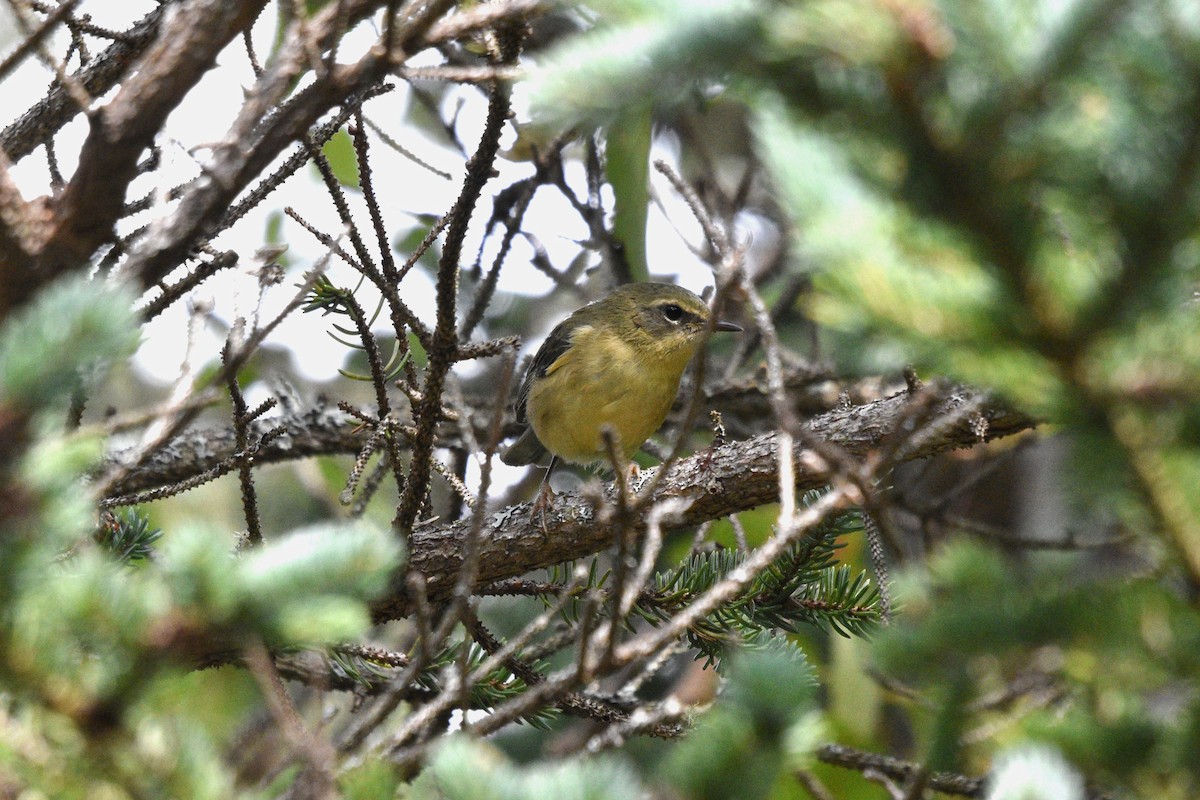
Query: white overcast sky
403, 187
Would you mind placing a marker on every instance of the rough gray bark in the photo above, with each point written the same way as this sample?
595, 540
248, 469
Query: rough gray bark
718, 482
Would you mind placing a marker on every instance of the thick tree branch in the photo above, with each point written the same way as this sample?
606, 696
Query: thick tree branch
325, 431
18, 221
717, 482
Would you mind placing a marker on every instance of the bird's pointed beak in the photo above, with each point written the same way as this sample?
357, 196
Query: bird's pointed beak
724, 325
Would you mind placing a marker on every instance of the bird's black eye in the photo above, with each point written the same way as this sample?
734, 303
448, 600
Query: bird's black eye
672, 312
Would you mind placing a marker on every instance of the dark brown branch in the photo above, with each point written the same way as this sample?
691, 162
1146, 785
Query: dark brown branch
122, 130
317, 136
898, 770
242, 417
37, 125
35, 37
79, 25
237, 161
383, 408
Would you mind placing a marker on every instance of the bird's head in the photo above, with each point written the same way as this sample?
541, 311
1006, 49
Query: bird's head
665, 322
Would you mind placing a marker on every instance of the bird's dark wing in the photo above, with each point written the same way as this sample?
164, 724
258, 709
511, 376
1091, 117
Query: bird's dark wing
527, 449
557, 343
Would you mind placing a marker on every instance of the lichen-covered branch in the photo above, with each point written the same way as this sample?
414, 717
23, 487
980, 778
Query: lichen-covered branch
716, 483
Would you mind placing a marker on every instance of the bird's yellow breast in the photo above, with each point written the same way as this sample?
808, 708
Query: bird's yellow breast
601, 380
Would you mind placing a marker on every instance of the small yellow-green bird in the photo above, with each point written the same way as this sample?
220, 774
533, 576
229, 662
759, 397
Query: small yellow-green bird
614, 362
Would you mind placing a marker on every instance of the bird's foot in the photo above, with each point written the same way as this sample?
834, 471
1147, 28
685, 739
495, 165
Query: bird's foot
541, 505
632, 473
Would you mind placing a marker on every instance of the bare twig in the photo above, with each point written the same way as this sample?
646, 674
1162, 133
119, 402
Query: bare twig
445, 335
37, 125
318, 780
33, 39
894, 768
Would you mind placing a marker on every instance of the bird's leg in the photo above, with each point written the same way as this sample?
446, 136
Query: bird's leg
628, 474
545, 497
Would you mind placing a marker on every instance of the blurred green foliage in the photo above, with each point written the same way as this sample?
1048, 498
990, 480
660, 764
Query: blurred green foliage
90, 650
1004, 193
343, 160
627, 167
